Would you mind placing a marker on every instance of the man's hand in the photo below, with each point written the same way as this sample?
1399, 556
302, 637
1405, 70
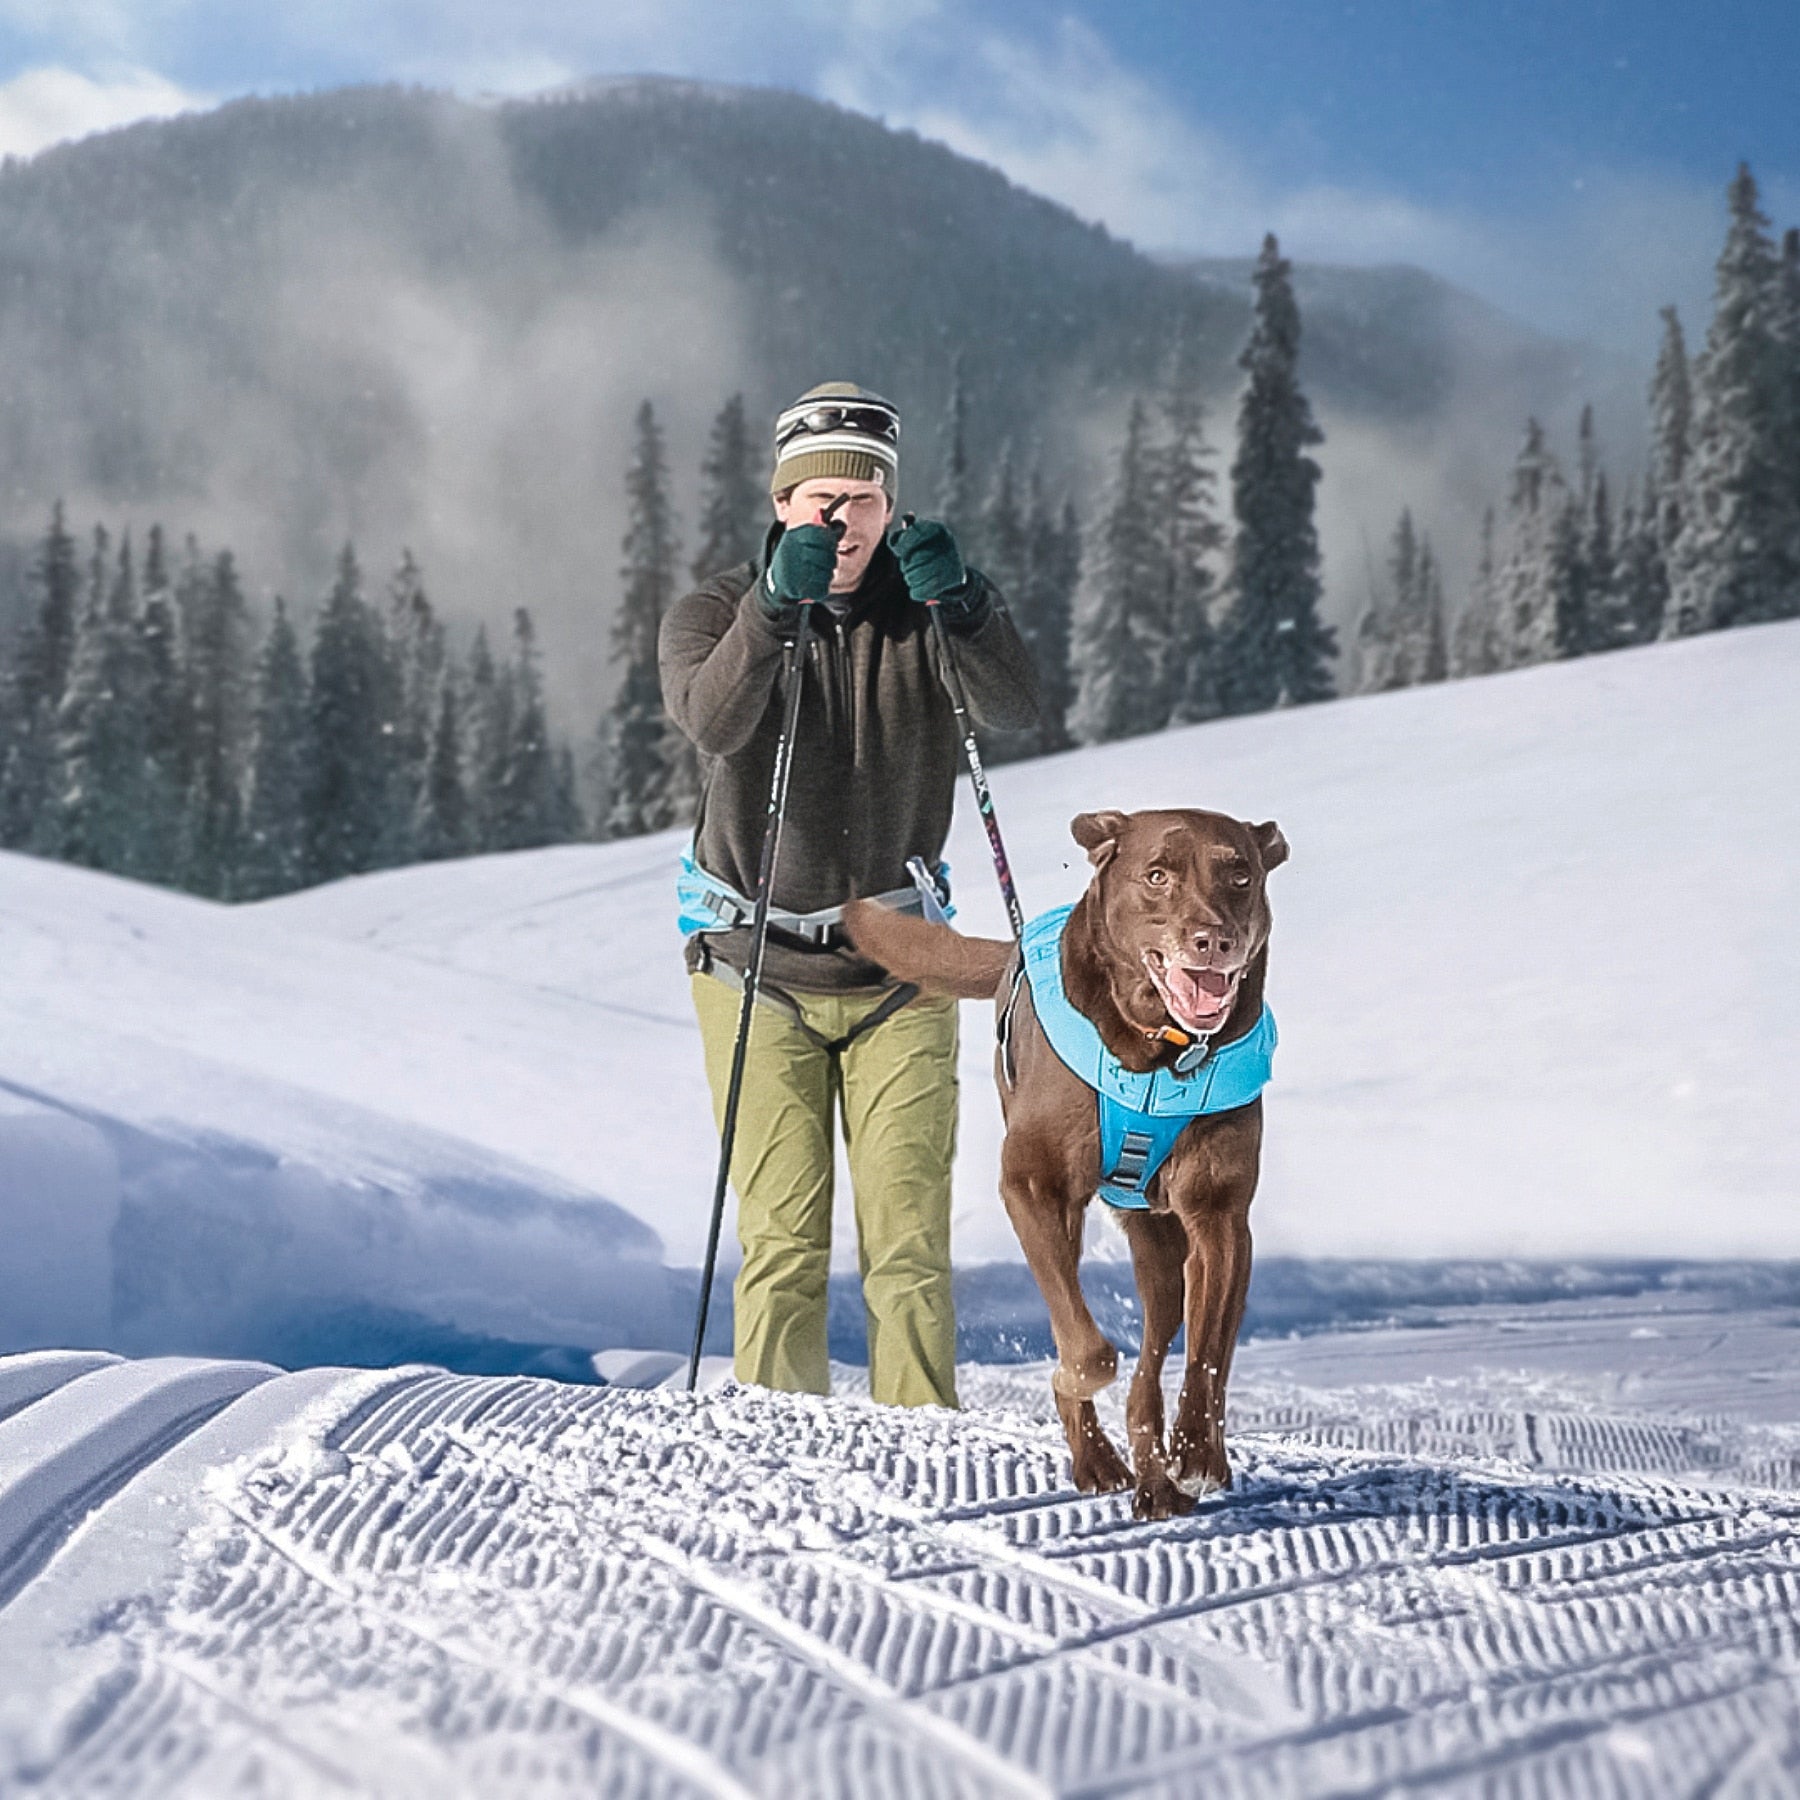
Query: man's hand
804, 562
933, 570
929, 559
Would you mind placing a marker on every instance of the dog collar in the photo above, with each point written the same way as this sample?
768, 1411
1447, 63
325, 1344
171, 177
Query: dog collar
1193, 1049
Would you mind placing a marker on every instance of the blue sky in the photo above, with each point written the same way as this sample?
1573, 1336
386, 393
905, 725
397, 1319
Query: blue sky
1566, 161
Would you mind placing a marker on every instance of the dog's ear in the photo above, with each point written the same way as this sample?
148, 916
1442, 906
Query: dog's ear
1098, 834
1273, 845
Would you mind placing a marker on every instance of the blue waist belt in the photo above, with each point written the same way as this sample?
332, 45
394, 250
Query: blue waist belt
1141, 1116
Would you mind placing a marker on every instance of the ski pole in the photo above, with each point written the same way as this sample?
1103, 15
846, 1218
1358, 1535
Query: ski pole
759, 937
984, 797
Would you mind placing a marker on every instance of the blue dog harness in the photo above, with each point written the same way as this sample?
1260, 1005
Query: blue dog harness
1141, 1116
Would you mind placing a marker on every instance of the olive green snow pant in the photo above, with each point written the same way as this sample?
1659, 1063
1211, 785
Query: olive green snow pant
895, 1089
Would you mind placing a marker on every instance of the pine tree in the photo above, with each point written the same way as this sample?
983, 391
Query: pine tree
999, 544
443, 826
1274, 650
218, 680
1192, 539
34, 692
1565, 580
168, 722
486, 733
1475, 643
347, 805
734, 507
1671, 428
1640, 575
635, 732
1122, 577
1430, 646
1377, 663
955, 501
274, 857
1526, 594
1611, 610
101, 725
1736, 560
526, 809
416, 649
570, 823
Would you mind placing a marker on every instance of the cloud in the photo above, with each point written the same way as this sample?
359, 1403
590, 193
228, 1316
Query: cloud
1061, 115
49, 105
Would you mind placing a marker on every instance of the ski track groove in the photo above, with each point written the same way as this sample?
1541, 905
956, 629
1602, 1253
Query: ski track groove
532, 1588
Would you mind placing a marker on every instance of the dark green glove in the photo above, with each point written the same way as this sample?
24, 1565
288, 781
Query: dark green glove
932, 567
929, 559
804, 562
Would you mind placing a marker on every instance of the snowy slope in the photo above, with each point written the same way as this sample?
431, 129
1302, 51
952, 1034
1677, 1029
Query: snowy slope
1533, 961
1503, 1579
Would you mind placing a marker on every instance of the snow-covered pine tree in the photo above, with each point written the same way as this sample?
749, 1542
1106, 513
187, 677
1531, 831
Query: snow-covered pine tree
1640, 575
442, 828
569, 820
1377, 664
1122, 578
417, 653
34, 692
1789, 317
1060, 564
1565, 579
486, 732
1611, 609
1671, 428
734, 505
635, 730
101, 725
218, 680
955, 501
1736, 560
1193, 538
168, 725
274, 858
1429, 646
1525, 592
1274, 650
1475, 641
347, 806
999, 544
526, 812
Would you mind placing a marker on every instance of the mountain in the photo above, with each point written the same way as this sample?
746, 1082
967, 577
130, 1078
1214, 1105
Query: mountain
395, 315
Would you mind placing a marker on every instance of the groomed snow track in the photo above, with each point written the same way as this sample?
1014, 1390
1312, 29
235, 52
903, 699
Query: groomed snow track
408, 1582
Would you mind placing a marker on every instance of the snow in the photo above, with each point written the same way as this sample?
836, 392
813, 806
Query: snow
1540, 1535
1487, 1558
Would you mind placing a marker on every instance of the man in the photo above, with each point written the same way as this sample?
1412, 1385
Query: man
875, 760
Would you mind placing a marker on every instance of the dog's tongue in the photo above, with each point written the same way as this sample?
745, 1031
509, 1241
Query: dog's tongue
1199, 994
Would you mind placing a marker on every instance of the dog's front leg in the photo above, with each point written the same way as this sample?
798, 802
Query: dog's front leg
1158, 1253
1218, 1278
1049, 1227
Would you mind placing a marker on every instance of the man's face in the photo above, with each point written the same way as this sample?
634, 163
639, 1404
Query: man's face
864, 517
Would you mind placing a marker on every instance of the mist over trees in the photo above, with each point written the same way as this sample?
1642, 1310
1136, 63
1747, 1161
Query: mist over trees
157, 722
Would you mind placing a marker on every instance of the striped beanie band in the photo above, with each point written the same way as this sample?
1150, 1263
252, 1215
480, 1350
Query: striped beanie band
837, 428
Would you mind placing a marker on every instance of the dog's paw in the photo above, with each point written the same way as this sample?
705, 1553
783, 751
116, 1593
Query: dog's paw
1099, 1468
1157, 1497
1198, 1469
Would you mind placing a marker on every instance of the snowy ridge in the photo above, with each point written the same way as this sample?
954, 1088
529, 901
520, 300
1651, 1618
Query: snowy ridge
416, 1583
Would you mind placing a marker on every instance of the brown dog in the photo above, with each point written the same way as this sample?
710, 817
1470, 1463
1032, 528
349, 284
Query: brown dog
1169, 943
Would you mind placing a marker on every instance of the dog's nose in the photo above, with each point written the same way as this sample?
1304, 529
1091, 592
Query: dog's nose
1213, 940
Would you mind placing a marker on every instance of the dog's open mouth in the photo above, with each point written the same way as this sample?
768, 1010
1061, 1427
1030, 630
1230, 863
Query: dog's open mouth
1197, 999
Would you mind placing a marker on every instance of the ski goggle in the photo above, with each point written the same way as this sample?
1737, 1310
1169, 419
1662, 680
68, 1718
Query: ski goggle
816, 421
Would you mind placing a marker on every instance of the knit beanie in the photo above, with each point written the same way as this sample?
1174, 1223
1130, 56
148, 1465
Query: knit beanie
837, 428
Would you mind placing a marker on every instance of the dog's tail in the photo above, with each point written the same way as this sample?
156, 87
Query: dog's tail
940, 960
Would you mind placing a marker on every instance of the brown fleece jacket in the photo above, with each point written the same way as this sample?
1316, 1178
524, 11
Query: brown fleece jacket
876, 751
